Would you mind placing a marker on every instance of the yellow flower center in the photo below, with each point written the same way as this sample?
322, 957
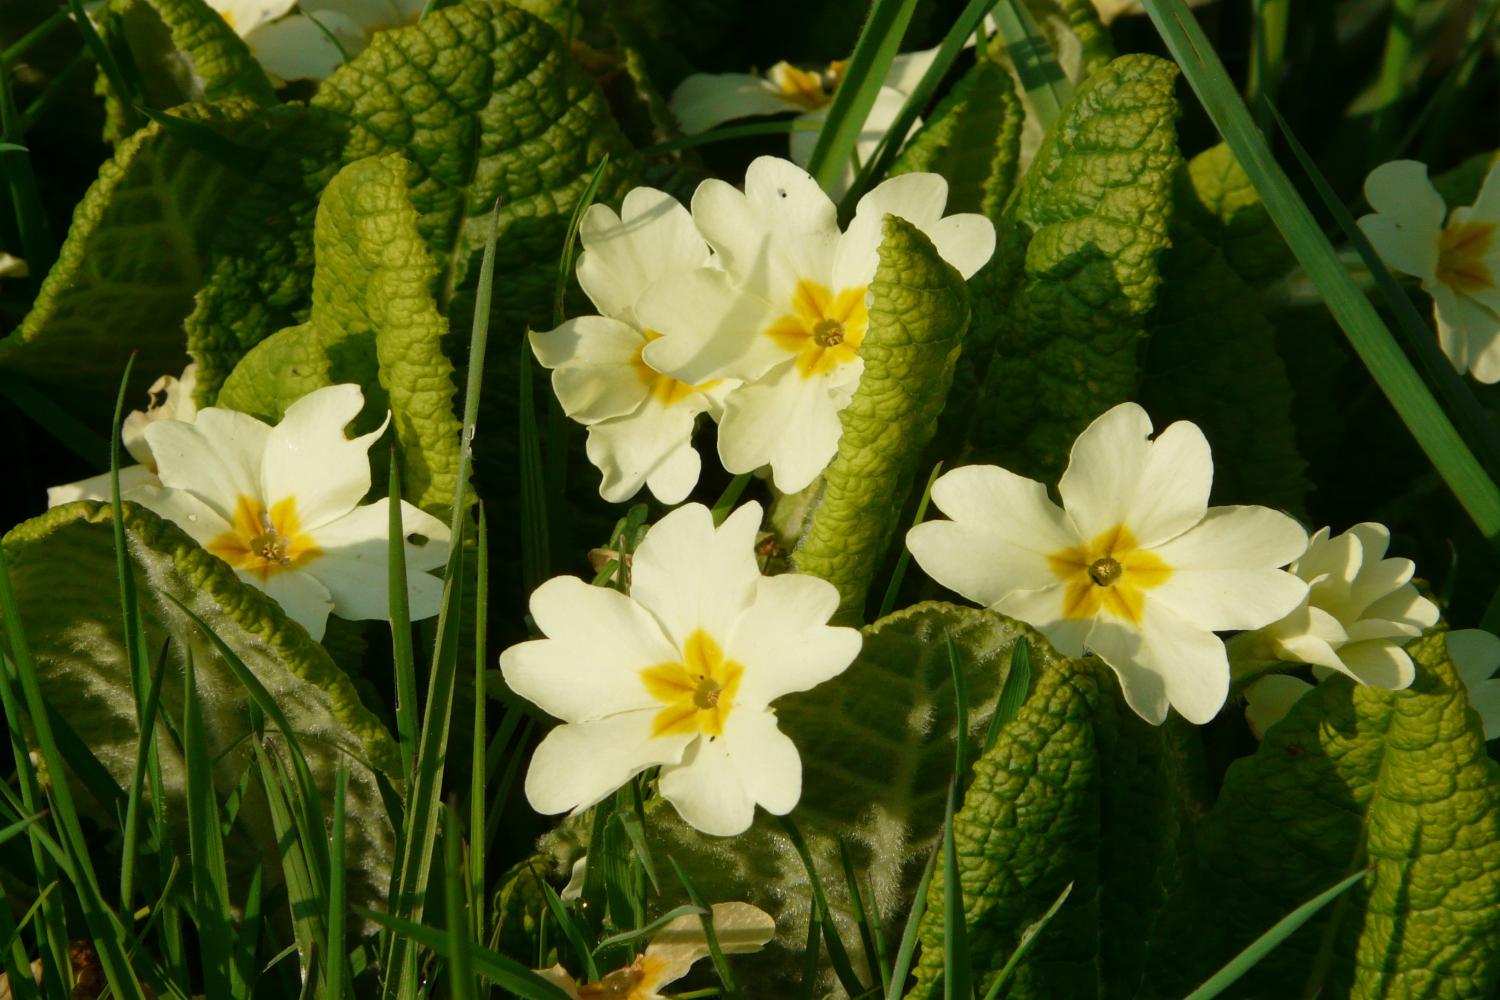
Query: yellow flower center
265, 542
823, 330
800, 86
1108, 574
1462, 248
665, 389
698, 692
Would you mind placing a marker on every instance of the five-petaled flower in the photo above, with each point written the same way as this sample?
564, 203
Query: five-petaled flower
1134, 566
787, 307
1458, 261
680, 673
640, 421
171, 399
1360, 609
281, 505
315, 40
738, 927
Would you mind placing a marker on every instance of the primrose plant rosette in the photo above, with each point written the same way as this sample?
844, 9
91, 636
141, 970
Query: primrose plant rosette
681, 673
281, 505
640, 421
1134, 566
787, 306
314, 41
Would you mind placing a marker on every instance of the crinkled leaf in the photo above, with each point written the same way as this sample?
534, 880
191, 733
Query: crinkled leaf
373, 322
1353, 776
185, 51
63, 566
918, 315
1076, 789
1212, 359
1226, 209
1092, 213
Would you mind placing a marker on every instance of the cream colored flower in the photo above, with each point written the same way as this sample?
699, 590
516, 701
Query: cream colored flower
1458, 261
1135, 566
314, 41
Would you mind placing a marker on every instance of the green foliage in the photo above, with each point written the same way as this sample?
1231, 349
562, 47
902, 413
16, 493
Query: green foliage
373, 323
1076, 789
58, 562
1092, 214
1226, 210
917, 322
1212, 357
1353, 776
186, 51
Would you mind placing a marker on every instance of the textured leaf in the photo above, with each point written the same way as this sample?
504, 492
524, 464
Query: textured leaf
1092, 212
374, 323
185, 51
1076, 789
1353, 776
877, 750
1228, 212
918, 315
1212, 359
63, 566
973, 139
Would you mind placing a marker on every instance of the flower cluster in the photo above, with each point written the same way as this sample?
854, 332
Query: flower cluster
752, 309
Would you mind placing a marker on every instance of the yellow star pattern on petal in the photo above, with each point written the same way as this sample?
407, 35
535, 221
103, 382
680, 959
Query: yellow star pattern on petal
265, 542
824, 330
1111, 574
665, 389
698, 693
1462, 249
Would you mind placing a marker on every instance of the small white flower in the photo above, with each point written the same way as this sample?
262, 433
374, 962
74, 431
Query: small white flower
1475, 655
1458, 261
171, 399
739, 928
640, 421
680, 673
788, 306
1360, 609
312, 43
281, 505
1134, 566
12, 266
704, 100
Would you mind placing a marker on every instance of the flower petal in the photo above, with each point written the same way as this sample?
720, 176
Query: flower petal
720, 781
1485, 699
692, 576
784, 639
1379, 663
1414, 253
788, 422
710, 328
308, 457
304, 599
919, 198
1308, 635
739, 928
355, 559
1165, 660
101, 487
765, 759
1269, 699
244, 16
596, 369
217, 457
1468, 332
1043, 610
1224, 573
577, 764
1116, 475
589, 666
655, 443
1401, 191
652, 238
1475, 654
201, 522
298, 48
883, 113
1003, 529
704, 100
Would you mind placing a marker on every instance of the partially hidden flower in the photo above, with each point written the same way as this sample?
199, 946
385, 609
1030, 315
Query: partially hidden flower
787, 307
1475, 655
640, 421
170, 399
681, 673
282, 506
12, 266
1457, 260
739, 928
1134, 566
1361, 609
316, 39
704, 100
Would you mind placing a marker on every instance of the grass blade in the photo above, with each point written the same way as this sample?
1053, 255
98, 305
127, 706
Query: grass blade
1036, 64
721, 964
402, 649
478, 758
838, 955
570, 928
893, 589
37, 244
461, 983
338, 963
209, 879
504, 972
861, 917
1013, 694
1263, 945
1372, 342
625, 937
811, 952
1028, 937
536, 555
958, 967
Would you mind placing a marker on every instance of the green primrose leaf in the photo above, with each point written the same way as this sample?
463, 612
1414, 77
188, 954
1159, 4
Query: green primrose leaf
1353, 776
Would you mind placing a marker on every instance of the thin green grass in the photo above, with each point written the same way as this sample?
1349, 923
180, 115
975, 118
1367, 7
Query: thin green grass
903, 560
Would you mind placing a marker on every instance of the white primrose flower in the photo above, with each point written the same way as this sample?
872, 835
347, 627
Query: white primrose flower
788, 306
1360, 609
1475, 655
681, 673
281, 505
1458, 261
740, 928
640, 421
1134, 565
704, 100
171, 399
313, 42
